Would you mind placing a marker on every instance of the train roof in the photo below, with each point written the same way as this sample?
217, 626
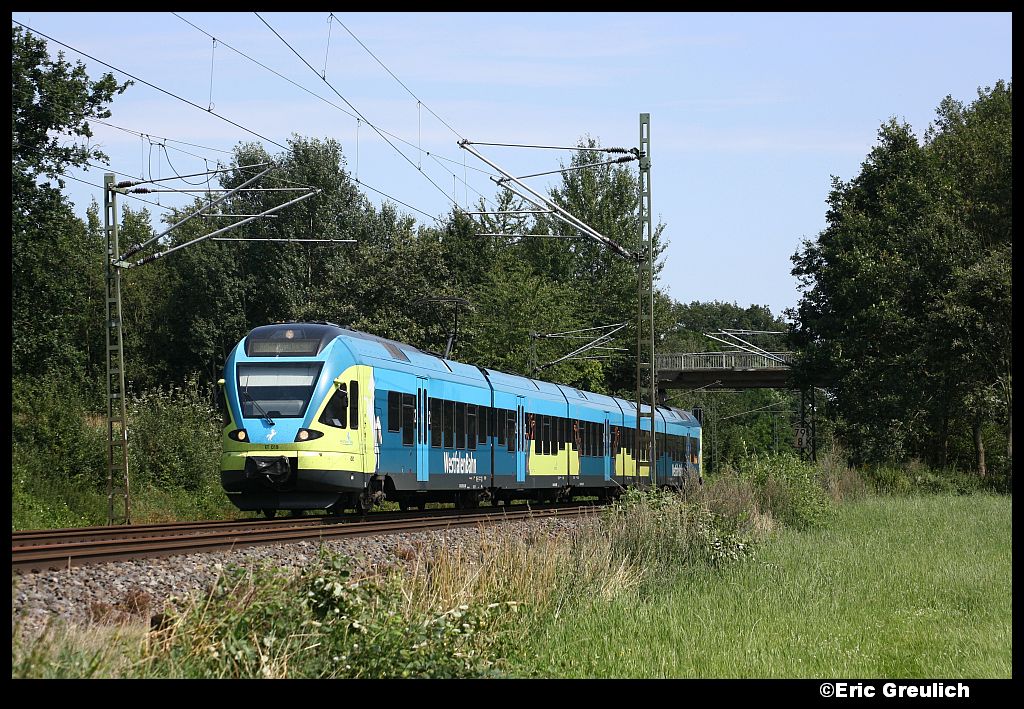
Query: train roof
312, 338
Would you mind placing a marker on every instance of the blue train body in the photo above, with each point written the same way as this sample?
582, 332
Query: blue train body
317, 416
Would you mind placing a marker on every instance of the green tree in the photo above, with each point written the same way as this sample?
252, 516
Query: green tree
55, 257
905, 295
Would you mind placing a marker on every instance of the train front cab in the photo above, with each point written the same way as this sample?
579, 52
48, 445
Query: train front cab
299, 433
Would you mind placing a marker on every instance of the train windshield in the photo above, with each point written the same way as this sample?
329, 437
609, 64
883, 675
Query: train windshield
277, 390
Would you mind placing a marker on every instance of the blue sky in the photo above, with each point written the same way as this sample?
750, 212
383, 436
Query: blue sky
750, 113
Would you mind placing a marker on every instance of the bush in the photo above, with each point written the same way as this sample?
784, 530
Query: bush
915, 478
174, 437
54, 435
265, 622
660, 532
789, 488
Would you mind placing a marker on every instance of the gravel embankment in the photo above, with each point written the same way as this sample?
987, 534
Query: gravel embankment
141, 587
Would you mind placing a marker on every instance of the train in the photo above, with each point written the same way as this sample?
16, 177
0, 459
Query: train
317, 416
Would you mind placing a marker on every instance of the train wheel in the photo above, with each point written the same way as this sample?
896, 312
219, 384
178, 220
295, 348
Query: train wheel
269, 514
363, 503
404, 505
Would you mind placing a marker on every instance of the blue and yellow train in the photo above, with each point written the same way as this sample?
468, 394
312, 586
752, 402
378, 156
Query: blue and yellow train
320, 417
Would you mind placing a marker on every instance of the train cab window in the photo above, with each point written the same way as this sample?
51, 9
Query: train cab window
471, 424
436, 422
336, 412
460, 425
694, 450
394, 411
449, 424
408, 419
353, 405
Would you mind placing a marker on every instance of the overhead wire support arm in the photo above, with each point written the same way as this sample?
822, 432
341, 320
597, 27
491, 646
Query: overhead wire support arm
588, 231
551, 147
751, 349
136, 249
617, 248
601, 339
628, 158
542, 236
161, 254
289, 241
514, 211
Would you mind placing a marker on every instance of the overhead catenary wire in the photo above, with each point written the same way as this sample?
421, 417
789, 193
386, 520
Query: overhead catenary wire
192, 103
151, 85
93, 184
349, 104
418, 100
197, 174
428, 153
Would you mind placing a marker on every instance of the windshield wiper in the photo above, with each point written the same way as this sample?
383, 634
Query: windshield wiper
247, 395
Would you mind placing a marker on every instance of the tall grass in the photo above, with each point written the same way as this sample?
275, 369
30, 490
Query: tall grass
898, 587
649, 587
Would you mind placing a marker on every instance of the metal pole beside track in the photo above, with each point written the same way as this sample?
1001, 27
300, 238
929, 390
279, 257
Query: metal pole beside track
117, 417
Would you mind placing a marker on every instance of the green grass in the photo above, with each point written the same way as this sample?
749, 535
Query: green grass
896, 587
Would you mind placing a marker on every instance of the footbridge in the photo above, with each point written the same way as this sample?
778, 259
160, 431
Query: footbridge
724, 370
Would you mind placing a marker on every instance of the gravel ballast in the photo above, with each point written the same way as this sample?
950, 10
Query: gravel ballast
83, 594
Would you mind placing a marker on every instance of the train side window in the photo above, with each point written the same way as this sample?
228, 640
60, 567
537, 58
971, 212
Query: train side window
510, 419
336, 412
394, 411
436, 422
545, 433
481, 423
471, 424
449, 424
353, 405
502, 425
460, 425
408, 419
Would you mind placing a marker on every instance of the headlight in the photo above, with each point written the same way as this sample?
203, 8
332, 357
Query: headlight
239, 434
306, 434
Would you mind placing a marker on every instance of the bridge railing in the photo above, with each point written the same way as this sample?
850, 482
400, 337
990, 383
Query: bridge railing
723, 360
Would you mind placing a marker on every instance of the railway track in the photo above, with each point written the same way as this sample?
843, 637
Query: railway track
61, 548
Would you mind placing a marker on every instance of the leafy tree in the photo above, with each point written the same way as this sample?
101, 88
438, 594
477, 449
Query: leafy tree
906, 294
54, 257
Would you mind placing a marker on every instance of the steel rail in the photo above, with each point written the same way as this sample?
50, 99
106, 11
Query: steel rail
60, 554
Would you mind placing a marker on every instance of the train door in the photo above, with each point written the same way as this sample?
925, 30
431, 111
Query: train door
606, 438
422, 431
521, 439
